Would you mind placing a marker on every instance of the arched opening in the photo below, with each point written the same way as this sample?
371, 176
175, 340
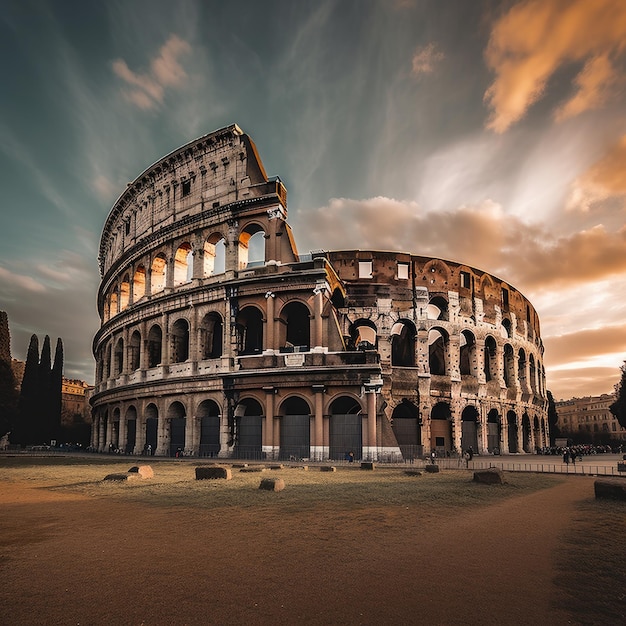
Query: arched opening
152, 429
345, 428
209, 415
506, 324
211, 336
363, 335
248, 429
114, 444
521, 368
437, 308
214, 255
118, 357
437, 344
158, 274
251, 247
537, 432
131, 430
113, 309
533, 373
183, 264
249, 327
155, 348
106, 365
441, 428
134, 351
139, 283
467, 355
469, 429
526, 433
511, 420
180, 341
124, 293
295, 429
403, 335
176, 416
493, 431
509, 366
491, 364
406, 426
296, 319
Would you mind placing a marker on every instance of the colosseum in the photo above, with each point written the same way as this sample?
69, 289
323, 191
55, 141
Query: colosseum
218, 338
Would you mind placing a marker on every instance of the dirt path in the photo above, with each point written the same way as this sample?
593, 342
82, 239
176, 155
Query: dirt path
74, 560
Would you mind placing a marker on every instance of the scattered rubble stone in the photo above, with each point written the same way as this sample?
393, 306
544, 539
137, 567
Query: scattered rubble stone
489, 476
213, 472
272, 484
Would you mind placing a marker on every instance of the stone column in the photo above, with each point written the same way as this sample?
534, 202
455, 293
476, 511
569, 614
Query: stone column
318, 331
140, 434
123, 433
317, 447
268, 434
483, 443
191, 444
371, 453
270, 327
109, 434
163, 436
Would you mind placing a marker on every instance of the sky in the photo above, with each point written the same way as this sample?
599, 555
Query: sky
487, 132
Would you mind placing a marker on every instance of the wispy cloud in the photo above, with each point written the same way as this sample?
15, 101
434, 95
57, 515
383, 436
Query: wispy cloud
147, 90
425, 59
536, 38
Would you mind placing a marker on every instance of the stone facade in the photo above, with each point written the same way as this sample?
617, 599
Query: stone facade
219, 339
590, 417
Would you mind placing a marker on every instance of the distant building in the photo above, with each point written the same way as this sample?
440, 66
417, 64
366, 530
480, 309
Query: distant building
589, 419
74, 402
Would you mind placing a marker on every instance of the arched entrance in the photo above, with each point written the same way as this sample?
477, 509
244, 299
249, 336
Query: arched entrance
441, 428
176, 418
345, 428
469, 430
511, 420
295, 429
248, 430
209, 415
526, 432
406, 426
131, 430
152, 428
493, 432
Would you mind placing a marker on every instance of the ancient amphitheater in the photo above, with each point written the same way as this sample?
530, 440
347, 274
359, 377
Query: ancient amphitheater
219, 339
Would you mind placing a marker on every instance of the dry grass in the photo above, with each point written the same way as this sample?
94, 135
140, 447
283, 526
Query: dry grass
174, 485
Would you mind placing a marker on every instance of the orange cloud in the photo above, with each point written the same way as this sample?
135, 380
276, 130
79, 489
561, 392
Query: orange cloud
585, 344
536, 38
148, 89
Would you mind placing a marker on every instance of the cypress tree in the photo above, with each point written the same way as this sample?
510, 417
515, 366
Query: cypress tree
553, 419
56, 387
618, 408
43, 396
8, 394
24, 431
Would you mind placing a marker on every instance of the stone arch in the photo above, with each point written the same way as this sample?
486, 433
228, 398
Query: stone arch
249, 328
437, 350
295, 327
211, 332
158, 274
532, 373
118, 357
526, 442
113, 303
441, 428
469, 428
124, 292
537, 432
177, 418
139, 283
490, 364
509, 365
521, 367
155, 345
403, 337
507, 326
467, 353
511, 419
179, 337
214, 255
363, 335
151, 425
131, 429
183, 264
406, 426
249, 416
134, 351
295, 428
437, 309
346, 428
493, 431
208, 415
251, 246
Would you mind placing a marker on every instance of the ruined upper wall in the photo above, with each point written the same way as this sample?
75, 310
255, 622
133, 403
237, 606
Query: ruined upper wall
215, 170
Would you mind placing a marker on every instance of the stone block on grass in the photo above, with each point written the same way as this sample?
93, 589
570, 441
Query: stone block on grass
328, 468
432, 469
489, 476
213, 472
278, 466
367, 465
252, 469
142, 471
412, 472
610, 488
116, 477
272, 484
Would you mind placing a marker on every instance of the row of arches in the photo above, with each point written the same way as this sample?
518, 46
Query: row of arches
171, 269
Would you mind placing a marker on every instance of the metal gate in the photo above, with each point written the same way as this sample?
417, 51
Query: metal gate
210, 435
346, 436
295, 437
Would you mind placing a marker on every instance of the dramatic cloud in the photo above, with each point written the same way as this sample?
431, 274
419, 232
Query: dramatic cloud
536, 38
585, 344
425, 59
147, 90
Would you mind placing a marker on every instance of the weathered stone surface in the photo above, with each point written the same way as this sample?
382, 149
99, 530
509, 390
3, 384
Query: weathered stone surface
272, 484
489, 476
432, 469
367, 465
145, 471
239, 465
412, 472
278, 466
610, 488
328, 468
253, 468
117, 477
207, 472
